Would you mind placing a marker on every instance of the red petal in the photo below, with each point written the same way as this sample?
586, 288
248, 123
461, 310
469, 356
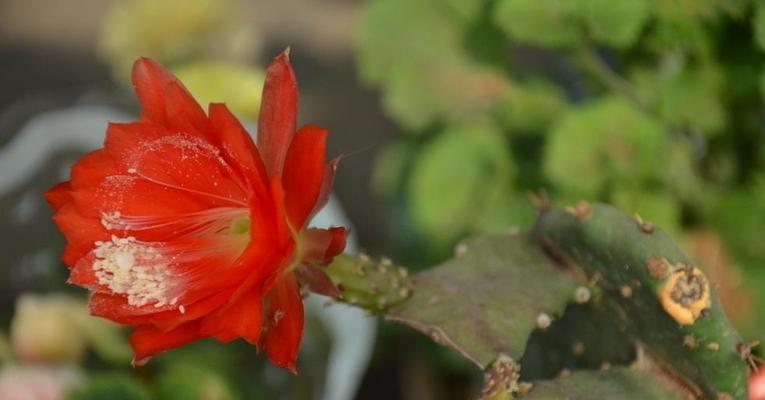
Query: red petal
144, 171
321, 245
304, 173
284, 319
91, 169
184, 161
316, 280
167, 102
82, 274
117, 309
237, 145
242, 318
280, 227
184, 113
150, 80
278, 113
326, 186
58, 195
81, 233
148, 340
242, 315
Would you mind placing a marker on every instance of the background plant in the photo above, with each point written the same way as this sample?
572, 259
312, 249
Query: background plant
654, 106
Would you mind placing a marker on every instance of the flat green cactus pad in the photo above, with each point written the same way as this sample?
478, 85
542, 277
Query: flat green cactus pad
617, 383
488, 299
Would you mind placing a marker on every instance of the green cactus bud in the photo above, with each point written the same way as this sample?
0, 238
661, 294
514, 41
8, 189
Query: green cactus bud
370, 284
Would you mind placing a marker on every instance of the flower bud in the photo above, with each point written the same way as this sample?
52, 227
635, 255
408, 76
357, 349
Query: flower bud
43, 330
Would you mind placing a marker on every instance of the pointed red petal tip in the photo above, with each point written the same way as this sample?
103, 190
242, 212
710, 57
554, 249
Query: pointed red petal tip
149, 80
278, 113
58, 195
304, 172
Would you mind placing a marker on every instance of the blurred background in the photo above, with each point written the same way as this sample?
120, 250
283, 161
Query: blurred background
452, 116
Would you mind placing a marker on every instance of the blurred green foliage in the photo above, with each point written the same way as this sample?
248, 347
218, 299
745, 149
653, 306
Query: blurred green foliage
206, 43
654, 106
114, 386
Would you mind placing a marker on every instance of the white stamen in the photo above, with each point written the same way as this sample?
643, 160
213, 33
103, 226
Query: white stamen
136, 269
124, 260
182, 309
110, 220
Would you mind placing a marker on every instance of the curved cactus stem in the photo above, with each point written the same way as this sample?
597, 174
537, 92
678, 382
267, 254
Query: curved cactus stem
666, 303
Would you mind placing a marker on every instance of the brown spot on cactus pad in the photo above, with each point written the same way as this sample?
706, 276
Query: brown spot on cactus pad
685, 295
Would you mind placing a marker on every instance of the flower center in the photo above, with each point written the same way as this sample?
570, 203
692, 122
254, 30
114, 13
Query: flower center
151, 272
135, 269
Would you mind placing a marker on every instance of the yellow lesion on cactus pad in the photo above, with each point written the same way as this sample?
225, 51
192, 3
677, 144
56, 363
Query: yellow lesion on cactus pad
685, 295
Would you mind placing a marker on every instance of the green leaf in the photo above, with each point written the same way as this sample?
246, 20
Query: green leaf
758, 24
447, 89
617, 383
694, 98
394, 29
173, 31
414, 51
561, 23
708, 10
488, 299
181, 382
683, 179
110, 386
738, 216
468, 10
453, 177
532, 106
606, 141
236, 84
615, 23
551, 23
656, 207
678, 34
503, 210
421, 94
390, 166
6, 354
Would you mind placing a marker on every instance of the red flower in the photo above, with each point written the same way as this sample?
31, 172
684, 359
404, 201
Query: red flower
185, 229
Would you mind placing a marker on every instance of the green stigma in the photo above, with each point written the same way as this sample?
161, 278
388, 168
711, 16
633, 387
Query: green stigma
240, 226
